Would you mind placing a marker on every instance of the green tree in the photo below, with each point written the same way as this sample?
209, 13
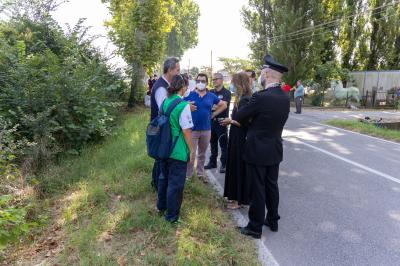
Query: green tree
37, 10
183, 35
139, 29
234, 65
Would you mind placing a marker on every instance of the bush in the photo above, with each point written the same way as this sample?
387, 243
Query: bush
56, 87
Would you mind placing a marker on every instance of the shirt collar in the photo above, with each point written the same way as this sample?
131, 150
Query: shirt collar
274, 84
165, 79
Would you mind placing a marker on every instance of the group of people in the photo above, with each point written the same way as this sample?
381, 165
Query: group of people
251, 150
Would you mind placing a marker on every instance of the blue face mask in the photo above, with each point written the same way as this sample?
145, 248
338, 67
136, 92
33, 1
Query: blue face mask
232, 88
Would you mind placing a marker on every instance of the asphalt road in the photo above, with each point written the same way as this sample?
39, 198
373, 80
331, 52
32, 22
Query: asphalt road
339, 196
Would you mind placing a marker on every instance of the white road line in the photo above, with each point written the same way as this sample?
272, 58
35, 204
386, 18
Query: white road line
366, 168
264, 254
349, 131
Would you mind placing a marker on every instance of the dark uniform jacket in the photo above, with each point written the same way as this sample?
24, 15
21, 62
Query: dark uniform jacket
268, 111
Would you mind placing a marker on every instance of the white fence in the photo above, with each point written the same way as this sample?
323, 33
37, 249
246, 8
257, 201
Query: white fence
375, 80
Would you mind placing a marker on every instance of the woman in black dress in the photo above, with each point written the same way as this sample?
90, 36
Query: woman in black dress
237, 185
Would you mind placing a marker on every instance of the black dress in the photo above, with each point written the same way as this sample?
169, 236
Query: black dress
237, 185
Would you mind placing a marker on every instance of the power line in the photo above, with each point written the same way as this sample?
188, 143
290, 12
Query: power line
324, 32
324, 25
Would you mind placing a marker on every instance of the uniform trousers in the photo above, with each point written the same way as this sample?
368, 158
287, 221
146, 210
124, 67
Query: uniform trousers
218, 134
265, 193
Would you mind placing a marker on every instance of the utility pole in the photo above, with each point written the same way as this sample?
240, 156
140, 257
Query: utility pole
211, 64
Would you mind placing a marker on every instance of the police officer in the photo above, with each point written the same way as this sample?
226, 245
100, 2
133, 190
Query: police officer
268, 111
218, 132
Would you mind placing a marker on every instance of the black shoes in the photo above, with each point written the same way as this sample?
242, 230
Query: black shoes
210, 166
273, 225
222, 170
248, 232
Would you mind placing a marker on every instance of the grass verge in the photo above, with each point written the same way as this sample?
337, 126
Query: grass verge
103, 213
367, 129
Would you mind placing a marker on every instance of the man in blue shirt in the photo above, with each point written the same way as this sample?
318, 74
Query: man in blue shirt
299, 97
202, 116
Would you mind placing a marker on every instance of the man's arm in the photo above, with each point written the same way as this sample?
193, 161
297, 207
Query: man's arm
248, 111
221, 106
161, 95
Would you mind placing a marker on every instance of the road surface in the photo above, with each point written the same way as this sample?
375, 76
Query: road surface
339, 196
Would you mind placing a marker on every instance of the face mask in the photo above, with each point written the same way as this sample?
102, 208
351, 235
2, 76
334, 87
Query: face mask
232, 88
201, 86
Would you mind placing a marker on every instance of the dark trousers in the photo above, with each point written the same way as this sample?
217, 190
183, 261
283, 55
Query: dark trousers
170, 188
265, 193
299, 102
155, 174
218, 134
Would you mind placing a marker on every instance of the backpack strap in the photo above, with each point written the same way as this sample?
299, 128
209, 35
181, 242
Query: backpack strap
172, 106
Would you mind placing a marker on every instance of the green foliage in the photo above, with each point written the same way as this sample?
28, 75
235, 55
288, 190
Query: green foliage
234, 65
365, 128
139, 29
306, 34
183, 35
55, 86
12, 221
325, 73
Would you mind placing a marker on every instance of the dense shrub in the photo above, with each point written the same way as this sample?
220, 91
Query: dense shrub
55, 86
57, 92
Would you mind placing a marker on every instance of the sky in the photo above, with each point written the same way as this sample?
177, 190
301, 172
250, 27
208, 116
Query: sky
220, 29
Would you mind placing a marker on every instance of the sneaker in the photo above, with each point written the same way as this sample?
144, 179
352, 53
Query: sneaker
210, 166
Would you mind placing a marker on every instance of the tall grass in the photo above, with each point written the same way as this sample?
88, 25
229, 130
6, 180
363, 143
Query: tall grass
108, 210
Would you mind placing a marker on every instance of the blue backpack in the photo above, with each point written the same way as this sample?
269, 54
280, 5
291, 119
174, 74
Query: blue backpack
159, 140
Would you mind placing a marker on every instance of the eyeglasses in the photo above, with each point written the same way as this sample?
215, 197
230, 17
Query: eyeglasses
201, 81
216, 79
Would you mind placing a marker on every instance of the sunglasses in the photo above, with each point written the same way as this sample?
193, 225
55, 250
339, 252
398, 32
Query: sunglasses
201, 81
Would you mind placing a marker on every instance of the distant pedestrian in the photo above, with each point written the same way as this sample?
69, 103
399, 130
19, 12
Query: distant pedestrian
299, 96
151, 82
172, 180
237, 183
204, 101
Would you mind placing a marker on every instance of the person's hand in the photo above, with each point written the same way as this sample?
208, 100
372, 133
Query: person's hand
192, 106
225, 122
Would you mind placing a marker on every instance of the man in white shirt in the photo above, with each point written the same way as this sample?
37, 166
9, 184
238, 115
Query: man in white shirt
158, 95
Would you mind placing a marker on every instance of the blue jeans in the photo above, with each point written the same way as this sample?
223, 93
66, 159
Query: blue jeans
170, 188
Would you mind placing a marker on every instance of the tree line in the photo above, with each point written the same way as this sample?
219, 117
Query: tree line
308, 35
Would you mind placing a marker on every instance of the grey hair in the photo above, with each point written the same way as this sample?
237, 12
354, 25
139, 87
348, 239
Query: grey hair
219, 75
170, 63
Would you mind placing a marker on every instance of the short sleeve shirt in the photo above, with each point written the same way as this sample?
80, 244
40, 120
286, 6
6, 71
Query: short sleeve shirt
224, 95
202, 116
180, 119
